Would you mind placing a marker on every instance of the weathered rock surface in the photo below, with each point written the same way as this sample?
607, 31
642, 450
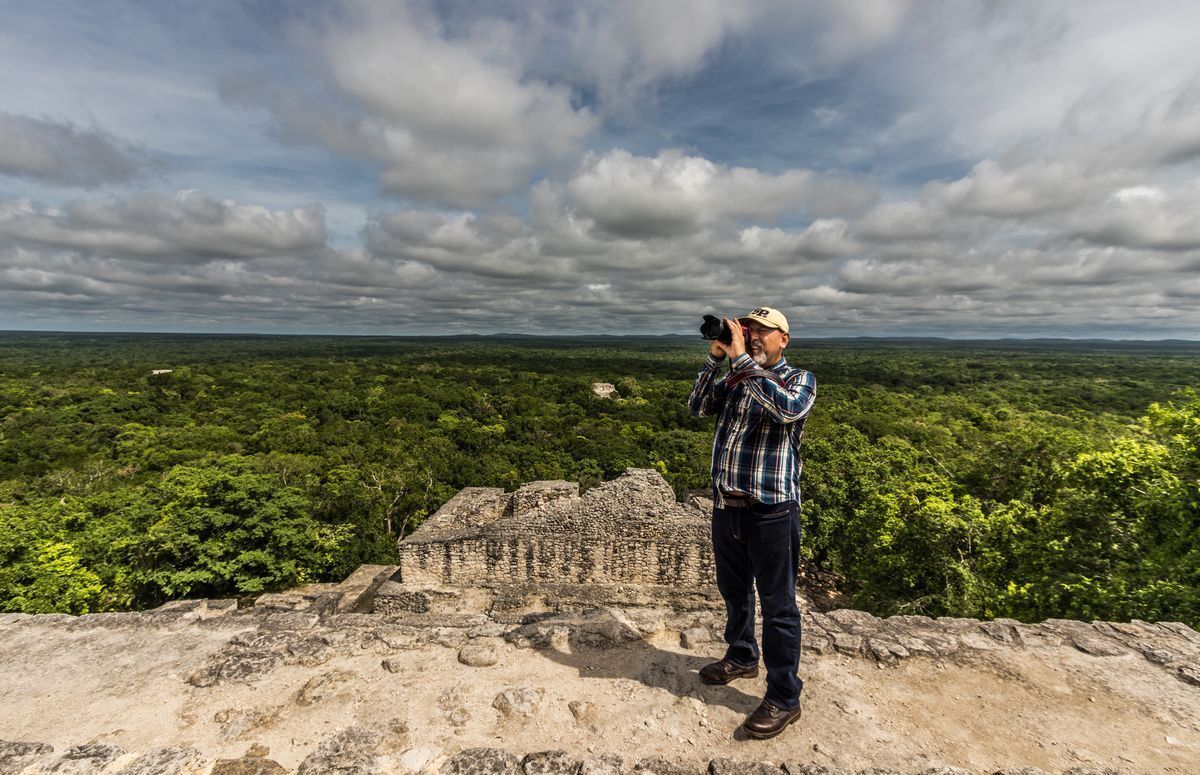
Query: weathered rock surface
723, 766
658, 765
324, 687
483, 761
349, 752
534, 676
84, 759
519, 702
626, 541
166, 761
603, 764
248, 765
478, 655
15, 756
550, 763
324, 666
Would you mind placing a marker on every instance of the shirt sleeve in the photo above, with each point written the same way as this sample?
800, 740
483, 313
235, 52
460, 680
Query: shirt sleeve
708, 394
786, 403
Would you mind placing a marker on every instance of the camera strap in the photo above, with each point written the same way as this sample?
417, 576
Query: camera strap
739, 377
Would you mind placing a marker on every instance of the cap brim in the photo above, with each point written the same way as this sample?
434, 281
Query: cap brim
764, 321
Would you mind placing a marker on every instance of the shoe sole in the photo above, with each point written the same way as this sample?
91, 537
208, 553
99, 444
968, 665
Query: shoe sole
768, 735
730, 679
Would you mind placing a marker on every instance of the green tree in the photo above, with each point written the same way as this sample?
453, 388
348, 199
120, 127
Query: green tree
222, 530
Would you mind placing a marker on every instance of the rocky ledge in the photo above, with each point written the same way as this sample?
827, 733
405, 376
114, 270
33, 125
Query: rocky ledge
275, 637
353, 752
304, 685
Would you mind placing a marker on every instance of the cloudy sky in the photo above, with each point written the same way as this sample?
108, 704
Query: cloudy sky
871, 167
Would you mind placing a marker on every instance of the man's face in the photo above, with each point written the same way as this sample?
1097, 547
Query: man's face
766, 344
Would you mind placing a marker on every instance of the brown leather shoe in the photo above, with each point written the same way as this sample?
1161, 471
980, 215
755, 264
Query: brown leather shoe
725, 671
768, 720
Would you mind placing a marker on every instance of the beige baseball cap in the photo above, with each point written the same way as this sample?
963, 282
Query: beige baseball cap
768, 316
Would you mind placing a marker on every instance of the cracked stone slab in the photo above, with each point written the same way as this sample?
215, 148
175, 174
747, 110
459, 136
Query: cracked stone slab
657, 765
1097, 645
550, 763
846, 643
84, 759
1003, 631
1189, 674
520, 702
723, 766
482, 761
886, 651
857, 622
15, 756
248, 765
349, 752
166, 761
805, 768
603, 764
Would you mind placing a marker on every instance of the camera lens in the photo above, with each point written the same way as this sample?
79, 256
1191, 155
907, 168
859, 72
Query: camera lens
715, 328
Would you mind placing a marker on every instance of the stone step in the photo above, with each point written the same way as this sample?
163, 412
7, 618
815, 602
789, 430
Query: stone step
354, 751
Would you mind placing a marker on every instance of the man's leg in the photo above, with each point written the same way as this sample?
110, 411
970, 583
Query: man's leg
773, 542
735, 581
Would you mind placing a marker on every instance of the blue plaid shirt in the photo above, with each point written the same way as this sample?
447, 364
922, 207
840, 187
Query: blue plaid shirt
760, 422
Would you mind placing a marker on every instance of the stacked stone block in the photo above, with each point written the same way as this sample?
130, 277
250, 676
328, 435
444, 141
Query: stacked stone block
615, 544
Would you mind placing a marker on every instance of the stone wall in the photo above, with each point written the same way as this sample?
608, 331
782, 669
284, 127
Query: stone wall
612, 543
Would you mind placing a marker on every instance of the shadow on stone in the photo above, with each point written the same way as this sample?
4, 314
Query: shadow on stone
606, 645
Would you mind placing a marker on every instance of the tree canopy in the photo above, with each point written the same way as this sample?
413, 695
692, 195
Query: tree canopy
980, 479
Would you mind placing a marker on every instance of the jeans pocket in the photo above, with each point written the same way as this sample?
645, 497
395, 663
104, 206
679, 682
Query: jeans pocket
773, 510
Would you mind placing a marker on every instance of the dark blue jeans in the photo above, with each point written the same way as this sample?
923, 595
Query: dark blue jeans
759, 546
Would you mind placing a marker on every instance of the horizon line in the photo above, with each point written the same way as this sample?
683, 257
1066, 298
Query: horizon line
509, 334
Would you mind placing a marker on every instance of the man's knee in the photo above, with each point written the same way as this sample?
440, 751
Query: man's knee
779, 608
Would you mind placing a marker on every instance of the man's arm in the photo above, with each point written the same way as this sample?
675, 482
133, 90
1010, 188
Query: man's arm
708, 394
787, 402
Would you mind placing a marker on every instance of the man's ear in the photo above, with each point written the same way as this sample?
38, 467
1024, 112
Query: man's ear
785, 339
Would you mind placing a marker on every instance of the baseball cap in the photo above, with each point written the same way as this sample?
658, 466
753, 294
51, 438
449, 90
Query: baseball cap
768, 317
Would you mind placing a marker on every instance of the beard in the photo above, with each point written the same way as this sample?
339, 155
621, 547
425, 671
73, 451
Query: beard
760, 357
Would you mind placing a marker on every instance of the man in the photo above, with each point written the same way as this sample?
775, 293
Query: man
761, 407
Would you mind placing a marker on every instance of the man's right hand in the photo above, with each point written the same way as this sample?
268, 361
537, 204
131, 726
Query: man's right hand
716, 350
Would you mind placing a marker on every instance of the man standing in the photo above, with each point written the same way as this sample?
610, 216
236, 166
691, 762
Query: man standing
761, 407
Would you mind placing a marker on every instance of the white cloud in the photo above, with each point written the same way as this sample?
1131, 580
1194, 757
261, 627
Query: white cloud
853, 28
1028, 190
821, 239
630, 51
675, 194
905, 221
160, 227
1134, 193
629, 46
878, 167
60, 152
1144, 217
494, 248
450, 120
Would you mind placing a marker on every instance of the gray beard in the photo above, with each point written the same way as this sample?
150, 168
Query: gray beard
760, 359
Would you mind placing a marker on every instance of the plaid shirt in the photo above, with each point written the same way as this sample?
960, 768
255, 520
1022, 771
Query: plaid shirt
757, 447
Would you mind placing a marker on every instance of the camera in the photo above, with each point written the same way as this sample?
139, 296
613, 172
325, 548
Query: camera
715, 328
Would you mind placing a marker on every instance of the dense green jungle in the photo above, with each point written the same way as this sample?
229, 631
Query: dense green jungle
1016, 478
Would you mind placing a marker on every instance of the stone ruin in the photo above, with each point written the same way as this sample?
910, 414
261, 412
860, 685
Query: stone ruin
545, 547
529, 581
605, 390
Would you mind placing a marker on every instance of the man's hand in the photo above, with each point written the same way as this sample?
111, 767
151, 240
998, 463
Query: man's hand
737, 345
